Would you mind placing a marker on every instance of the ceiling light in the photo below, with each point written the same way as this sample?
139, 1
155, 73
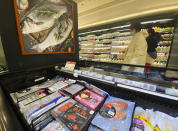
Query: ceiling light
155, 21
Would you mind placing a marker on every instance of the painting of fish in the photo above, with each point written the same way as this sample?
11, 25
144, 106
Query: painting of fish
46, 26
57, 36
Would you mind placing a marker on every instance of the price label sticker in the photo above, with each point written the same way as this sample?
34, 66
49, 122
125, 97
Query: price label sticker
75, 75
70, 66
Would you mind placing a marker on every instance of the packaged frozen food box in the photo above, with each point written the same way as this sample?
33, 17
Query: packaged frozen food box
69, 81
58, 85
90, 99
73, 89
61, 84
96, 90
73, 114
115, 115
34, 96
55, 126
20, 95
94, 128
37, 108
42, 121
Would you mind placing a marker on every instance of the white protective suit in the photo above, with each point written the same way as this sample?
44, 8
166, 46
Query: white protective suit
136, 52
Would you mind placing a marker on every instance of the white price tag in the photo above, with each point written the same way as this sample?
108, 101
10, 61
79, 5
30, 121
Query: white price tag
70, 66
109, 78
118, 80
75, 75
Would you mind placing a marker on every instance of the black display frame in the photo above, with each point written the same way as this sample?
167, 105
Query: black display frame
10, 40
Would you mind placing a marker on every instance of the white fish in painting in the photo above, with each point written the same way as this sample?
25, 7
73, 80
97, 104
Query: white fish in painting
22, 4
57, 36
43, 17
56, 1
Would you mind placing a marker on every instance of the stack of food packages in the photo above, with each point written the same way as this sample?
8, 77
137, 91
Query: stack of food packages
59, 104
120, 46
164, 45
102, 57
70, 105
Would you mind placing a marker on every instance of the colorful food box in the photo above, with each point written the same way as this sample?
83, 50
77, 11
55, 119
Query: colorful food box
89, 99
74, 115
116, 114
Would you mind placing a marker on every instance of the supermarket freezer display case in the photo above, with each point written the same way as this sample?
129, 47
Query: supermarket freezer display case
30, 88
124, 88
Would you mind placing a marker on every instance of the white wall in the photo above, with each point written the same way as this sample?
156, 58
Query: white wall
98, 12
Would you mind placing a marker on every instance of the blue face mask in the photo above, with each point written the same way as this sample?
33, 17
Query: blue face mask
132, 33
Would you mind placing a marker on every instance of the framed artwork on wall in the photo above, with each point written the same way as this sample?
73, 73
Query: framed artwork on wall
45, 26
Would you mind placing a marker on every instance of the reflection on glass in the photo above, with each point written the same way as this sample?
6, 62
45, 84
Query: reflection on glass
116, 45
3, 64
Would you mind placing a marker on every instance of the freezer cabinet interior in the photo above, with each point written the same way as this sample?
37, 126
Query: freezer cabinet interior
14, 82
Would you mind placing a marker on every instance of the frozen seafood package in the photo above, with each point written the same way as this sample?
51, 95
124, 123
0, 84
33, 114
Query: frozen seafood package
58, 85
150, 120
94, 128
95, 89
61, 84
23, 94
41, 121
55, 126
74, 115
25, 100
90, 99
73, 89
37, 108
115, 115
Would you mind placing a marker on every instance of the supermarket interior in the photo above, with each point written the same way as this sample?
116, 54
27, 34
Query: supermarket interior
89, 65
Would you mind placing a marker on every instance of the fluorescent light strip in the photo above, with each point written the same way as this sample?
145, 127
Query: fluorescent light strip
124, 30
162, 20
118, 27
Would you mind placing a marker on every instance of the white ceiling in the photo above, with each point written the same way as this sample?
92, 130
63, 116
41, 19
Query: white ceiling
98, 12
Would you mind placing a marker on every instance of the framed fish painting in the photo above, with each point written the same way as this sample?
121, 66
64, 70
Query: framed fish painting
45, 26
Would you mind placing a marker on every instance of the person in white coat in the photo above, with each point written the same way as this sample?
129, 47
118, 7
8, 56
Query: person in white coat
137, 50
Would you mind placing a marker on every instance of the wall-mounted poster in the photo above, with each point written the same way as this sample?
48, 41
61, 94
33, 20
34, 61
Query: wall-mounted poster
45, 26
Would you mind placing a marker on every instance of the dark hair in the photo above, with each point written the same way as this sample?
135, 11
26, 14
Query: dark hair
154, 34
136, 26
151, 31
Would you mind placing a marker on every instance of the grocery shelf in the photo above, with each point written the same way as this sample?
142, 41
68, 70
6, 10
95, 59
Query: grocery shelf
167, 39
164, 44
163, 52
165, 32
119, 46
98, 48
161, 60
95, 53
114, 53
86, 52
